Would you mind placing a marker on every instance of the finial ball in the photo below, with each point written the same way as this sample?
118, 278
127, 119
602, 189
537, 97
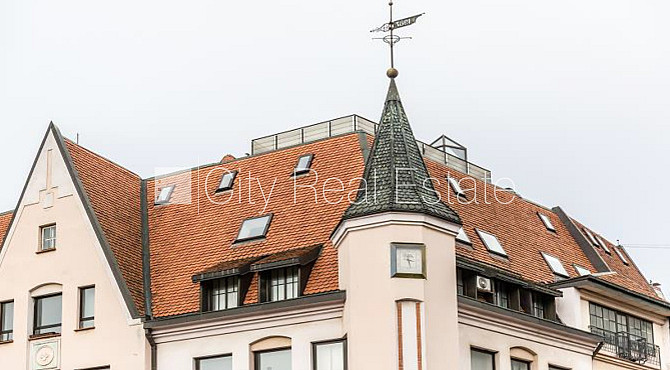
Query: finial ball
392, 73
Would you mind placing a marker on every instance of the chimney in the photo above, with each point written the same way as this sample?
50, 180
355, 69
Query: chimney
658, 290
227, 158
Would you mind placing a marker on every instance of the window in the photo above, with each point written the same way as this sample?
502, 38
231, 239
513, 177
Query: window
547, 222
602, 244
610, 324
86, 307
455, 186
6, 321
47, 315
482, 360
164, 195
48, 234
304, 164
227, 181
463, 237
281, 284
273, 360
214, 363
555, 265
554, 367
460, 284
590, 236
330, 355
538, 306
619, 253
491, 243
254, 228
221, 294
520, 365
502, 294
582, 271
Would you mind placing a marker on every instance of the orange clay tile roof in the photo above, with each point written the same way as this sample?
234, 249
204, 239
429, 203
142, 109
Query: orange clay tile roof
114, 194
5, 219
627, 276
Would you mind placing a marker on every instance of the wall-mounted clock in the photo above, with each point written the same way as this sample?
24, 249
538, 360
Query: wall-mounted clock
408, 260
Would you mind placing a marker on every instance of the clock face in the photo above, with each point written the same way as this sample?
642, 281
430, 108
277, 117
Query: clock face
409, 260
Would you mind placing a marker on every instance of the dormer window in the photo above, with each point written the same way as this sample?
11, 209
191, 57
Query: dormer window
555, 265
590, 236
254, 228
621, 255
463, 237
582, 271
284, 275
281, 284
491, 243
164, 195
48, 238
547, 222
602, 244
455, 186
227, 181
221, 294
304, 164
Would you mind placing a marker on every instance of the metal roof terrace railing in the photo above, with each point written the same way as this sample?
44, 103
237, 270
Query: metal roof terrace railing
353, 123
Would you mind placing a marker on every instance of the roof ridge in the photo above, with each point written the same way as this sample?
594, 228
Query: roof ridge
102, 157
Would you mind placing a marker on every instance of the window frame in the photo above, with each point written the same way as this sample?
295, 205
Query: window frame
8, 332
196, 360
591, 238
465, 240
486, 352
521, 361
54, 239
345, 352
622, 257
603, 244
208, 293
301, 171
548, 257
158, 201
59, 325
257, 355
546, 221
80, 318
481, 234
264, 234
579, 267
455, 186
266, 286
221, 188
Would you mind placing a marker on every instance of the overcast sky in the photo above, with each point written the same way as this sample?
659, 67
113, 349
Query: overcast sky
570, 99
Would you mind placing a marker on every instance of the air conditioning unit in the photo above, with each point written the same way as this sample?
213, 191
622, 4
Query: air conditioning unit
484, 284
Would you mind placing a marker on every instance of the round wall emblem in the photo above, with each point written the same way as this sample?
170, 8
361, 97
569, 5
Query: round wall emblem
44, 355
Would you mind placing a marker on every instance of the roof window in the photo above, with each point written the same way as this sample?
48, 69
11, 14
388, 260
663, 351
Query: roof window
463, 237
555, 265
592, 239
546, 221
491, 243
602, 244
227, 181
619, 252
164, 195
582, 271
304, 164
254, 228
455, 186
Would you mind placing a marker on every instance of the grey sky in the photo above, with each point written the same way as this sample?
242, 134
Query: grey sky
567, 98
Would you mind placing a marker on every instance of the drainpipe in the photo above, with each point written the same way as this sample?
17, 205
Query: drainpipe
595, 353
154, 348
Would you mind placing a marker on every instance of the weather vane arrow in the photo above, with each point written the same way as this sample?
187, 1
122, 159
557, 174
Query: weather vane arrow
391, 39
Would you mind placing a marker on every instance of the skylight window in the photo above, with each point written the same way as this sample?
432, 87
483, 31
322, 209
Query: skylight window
463, 237
546, 221
455, 186
227, 181
592, 239
491, 243
621, 255
164, 195
555, 265
602, 244
582, 271
304, 164
254, 228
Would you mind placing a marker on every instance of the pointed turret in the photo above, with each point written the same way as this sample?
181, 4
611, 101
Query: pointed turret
396, 177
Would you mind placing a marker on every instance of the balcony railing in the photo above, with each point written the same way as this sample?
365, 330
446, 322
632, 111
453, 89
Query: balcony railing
629, 347
348, 124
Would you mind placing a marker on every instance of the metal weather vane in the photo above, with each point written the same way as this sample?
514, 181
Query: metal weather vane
391, 39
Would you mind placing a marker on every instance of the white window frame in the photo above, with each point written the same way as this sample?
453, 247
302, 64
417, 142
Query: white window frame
304, 169
164, 195
622, 256
232, 175
53, 239
603, 244
258, 236
463, 237
590, 236
546, 221
492, 243
581, 270
555, 265
455, 186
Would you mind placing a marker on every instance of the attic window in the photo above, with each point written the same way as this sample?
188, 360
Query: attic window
227, 181
463, 237
455, 186
602, 244
304, 164
555, 265
621, 255
254, 228
582, 271
546, 221
164, 195
592, 239
491, 243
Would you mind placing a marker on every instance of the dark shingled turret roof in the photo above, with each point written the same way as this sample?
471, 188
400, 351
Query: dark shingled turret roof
396, 178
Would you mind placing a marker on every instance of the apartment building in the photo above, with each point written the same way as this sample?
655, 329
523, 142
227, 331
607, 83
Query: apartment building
346, 244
